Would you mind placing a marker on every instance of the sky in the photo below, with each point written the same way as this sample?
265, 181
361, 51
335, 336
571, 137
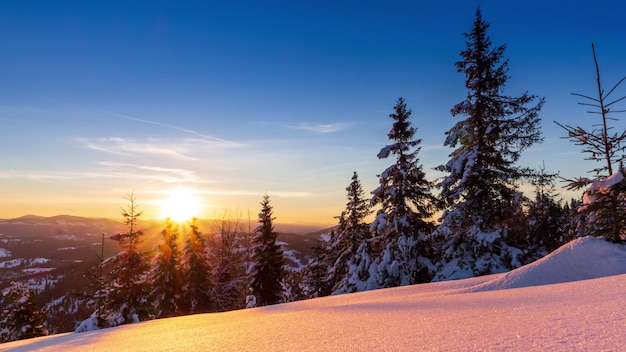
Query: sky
521, 310
228, 101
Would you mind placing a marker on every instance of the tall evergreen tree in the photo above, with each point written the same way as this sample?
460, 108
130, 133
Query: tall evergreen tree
197, 281
347, 238
406, 204
267, 269
125, 291
165, 276
604, 201
480, 192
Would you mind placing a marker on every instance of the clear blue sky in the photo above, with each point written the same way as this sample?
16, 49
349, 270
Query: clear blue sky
235, 99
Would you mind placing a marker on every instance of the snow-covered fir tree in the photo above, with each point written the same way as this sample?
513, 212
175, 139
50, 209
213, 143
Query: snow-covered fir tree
125, 289
547, 219
24, 318
480, 191
197, 282
604, 200
165, 274
402, 223
267, 268
347, 238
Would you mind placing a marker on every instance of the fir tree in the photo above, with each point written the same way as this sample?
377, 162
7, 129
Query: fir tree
406, 205
125, 291
23, 318
604, 199
197, 281
267, 269
349, 235
547, 218
317, 270
165, 275
480, 192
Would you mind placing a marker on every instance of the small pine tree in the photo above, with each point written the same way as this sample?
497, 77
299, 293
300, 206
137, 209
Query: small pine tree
125, 291
165, 276
23, 318
546, 216
267, 269
197, 281
604, 199
349, 235
406, 204
480, 192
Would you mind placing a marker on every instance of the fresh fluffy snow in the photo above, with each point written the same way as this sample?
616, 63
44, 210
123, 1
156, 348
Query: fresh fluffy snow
564, 302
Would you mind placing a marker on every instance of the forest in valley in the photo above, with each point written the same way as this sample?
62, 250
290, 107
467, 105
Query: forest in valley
473, 221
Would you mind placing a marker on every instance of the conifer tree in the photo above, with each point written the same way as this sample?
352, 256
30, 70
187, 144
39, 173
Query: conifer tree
23, 318
406, 204
547, 217
165, 276
125, 291
604, 202
197, 281
480, 190
267, 269
347, 238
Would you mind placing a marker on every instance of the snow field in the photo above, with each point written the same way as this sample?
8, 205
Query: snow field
565, 309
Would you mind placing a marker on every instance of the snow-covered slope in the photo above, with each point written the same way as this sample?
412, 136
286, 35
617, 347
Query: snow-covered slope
540, 307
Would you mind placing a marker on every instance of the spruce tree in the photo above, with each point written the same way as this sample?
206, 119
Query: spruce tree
480, 190
197, 282
125, 290
547, 217
347, 238
406, 204
23, 318
267, 269
165, 276
604, 201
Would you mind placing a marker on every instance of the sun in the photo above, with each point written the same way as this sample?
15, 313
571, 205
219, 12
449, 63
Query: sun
180, 205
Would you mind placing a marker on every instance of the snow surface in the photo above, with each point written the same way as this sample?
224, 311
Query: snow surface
4, 253
564, 302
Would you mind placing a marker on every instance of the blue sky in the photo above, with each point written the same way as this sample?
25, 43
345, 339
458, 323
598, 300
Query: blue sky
235, 99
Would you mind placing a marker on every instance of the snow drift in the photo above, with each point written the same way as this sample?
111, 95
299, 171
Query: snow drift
564, 302
582, 259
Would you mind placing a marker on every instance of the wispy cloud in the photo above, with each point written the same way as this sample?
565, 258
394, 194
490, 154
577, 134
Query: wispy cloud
320, 127
177, 128
110, 171
164, 174
129, 147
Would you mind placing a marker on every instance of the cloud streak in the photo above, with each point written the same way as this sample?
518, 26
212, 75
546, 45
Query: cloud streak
129, 147
177, 128
321, 128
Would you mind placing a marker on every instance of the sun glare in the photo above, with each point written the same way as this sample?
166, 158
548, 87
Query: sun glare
180, 205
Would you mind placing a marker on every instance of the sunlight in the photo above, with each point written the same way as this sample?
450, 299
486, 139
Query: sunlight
180, 205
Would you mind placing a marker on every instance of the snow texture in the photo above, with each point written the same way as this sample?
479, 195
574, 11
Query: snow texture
564, 302
4, 253
601, 187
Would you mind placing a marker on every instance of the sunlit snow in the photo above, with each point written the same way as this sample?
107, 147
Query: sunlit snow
543, 306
